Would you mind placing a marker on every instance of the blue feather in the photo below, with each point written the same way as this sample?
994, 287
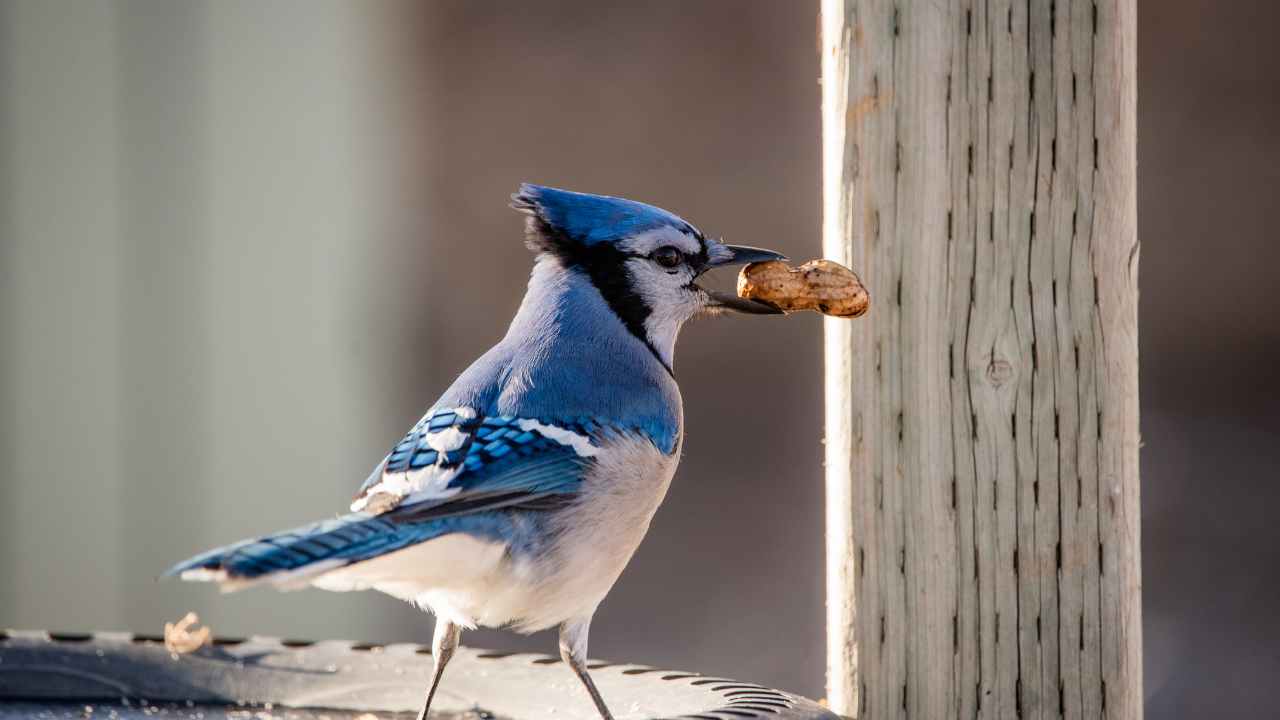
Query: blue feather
590, 219
350, 538
589, 368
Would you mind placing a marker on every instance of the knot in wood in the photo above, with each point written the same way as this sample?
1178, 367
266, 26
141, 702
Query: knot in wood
999, 372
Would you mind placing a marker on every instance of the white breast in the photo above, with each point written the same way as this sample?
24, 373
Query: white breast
595, 537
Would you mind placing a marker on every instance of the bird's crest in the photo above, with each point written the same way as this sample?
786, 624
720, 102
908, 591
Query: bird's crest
560, 219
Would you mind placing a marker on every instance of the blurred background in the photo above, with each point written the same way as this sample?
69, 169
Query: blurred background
244, 245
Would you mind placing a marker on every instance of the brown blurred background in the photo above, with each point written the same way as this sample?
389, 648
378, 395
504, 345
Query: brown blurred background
243, 246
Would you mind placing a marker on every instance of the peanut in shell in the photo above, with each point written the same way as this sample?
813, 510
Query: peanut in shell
819, 285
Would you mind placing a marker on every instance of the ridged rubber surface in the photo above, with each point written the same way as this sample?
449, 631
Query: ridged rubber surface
56, 674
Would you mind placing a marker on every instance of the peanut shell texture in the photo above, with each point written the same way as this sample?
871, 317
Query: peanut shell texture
819, 285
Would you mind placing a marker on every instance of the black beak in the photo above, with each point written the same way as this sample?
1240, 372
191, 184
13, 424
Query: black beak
739, 255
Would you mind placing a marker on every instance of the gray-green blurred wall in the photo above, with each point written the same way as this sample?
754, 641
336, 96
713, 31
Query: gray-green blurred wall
197, 298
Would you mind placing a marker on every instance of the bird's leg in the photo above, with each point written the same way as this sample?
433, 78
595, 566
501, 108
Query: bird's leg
573, 650
443, 643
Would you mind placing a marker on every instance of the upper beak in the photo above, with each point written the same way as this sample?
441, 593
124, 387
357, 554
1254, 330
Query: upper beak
740, 255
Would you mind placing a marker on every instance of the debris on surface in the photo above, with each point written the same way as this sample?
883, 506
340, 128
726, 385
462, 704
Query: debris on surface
819, 285
180, 638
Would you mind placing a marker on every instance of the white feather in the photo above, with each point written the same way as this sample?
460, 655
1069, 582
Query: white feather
287, 580
449, 575
581, 444
446, 440
428, 483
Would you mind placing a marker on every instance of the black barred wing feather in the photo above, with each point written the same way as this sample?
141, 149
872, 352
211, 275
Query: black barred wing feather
455, 461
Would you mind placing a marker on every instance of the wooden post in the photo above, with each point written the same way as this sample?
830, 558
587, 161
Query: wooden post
982, 420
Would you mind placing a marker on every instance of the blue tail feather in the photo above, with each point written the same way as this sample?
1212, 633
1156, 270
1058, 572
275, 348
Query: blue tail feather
349, 538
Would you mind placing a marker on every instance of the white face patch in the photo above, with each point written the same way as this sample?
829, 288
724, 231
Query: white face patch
667, 292
671, 299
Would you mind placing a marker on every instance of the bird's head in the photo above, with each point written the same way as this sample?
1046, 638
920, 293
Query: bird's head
645, 261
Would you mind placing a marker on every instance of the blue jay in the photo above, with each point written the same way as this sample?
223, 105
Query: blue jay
520, 496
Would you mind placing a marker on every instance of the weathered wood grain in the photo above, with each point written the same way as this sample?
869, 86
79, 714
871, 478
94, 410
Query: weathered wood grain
982, 420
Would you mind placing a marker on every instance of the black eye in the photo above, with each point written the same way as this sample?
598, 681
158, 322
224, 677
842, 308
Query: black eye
667, 257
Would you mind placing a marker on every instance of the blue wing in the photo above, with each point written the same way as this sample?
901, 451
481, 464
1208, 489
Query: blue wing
452, 454
453, 472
